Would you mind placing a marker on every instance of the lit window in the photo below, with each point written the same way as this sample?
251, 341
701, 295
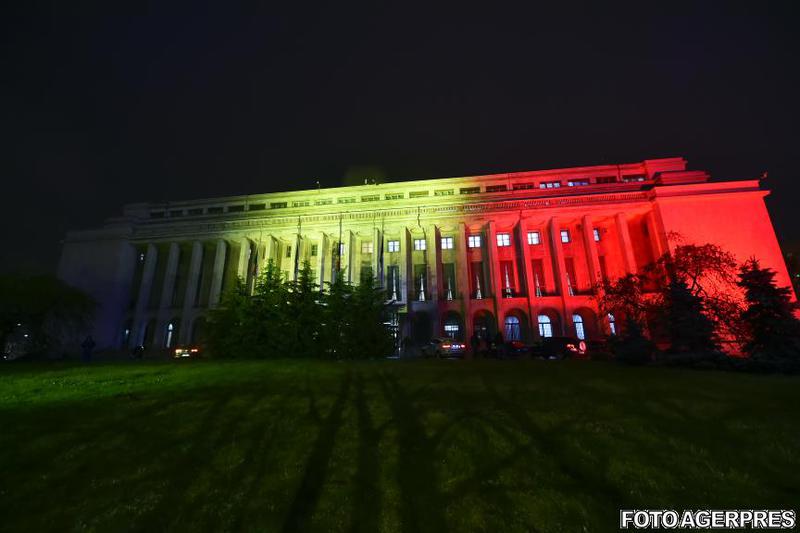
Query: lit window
474, 241
447, 243
534, 237
366, 247
419, 244
512, 329
451, 329
631, 179
141, 257
550, 185
394, 246
579, 331
503, 239
596, 233
612, 324
565, 235
545, 326
577, 183
314, 249
272, 205
288, 251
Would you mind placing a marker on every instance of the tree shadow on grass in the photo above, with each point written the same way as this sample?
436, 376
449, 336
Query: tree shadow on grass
307, 495
421, 503
367, 499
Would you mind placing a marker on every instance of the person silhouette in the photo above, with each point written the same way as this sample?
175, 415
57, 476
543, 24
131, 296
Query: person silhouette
87, 346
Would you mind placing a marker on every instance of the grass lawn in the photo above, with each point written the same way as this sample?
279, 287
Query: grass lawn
389, 445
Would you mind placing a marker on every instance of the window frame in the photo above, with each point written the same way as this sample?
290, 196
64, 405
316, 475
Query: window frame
393, 246
420, 245
474, 241
447, 243
566, 238
534, 238
503, 239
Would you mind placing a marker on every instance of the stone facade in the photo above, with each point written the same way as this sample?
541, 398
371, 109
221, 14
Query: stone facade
518, 251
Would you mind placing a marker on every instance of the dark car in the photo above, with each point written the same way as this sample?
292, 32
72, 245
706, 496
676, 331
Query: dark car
560, 348
444, 347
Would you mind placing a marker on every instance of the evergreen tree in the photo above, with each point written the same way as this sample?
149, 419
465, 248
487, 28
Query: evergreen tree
336, 319
685, 322
228, 324
370, 337
305, 313
270, 318
772, 330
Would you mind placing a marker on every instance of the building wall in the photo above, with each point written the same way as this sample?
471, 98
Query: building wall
176, 261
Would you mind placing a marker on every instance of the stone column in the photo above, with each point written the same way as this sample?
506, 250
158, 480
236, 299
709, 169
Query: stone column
350, 239
432, 255
244, 259
170, 274
270, 247
657, 237
217, 273
560, 269
191, 291
625, 245
463, 282
145, 288
295, 244
527, 267
593, 260
376, 256
404, 259
322, 251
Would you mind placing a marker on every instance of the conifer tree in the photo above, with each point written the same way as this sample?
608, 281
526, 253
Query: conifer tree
772, 332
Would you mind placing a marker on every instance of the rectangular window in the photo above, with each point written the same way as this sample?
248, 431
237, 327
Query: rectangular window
534, 237
523, 186
235, 208
550, 185
394, 246
323, 201
496, 188
195, 211
469, 190
257, 207
366, 247
348, 200
419, 244
288, 251
418, 194
177, 213
314, 250
303, 203
606, 179
503, 239
631, 179
577, 183
443, 192
371, 198
474, 241
214, 210
564, 235
394, 196
277, 205
447, 243
596, 233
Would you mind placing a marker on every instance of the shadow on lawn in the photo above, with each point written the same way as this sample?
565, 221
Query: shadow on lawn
307, 495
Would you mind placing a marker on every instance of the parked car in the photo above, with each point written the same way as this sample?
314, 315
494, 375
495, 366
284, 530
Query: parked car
517, 349
560, 348
444, 347
186, 351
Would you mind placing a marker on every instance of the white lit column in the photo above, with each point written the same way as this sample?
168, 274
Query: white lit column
170, 274
626, 248
432, 258
145, 288
593, 260
322, 255
244, 259
217, 273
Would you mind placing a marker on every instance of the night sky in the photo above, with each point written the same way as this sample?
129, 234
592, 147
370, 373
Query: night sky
103, 108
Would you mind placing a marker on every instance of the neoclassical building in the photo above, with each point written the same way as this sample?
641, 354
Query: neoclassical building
519, 251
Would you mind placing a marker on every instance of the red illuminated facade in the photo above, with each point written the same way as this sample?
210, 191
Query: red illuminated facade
518, 252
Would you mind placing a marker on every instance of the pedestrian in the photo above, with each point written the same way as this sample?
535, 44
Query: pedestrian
87, 346
475, 341
499, 346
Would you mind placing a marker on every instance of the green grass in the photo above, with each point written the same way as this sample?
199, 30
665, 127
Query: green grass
391, 445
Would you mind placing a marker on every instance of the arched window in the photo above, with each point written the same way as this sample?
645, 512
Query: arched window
579, 331
170, 331
545, 326
512, 328
452, 327
612, 324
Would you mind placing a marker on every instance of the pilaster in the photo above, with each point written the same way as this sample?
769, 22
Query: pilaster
217, 273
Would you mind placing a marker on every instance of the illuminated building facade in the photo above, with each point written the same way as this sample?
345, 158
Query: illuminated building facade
519, 252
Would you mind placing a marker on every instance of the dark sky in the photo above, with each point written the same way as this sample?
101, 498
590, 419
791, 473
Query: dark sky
102, 107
